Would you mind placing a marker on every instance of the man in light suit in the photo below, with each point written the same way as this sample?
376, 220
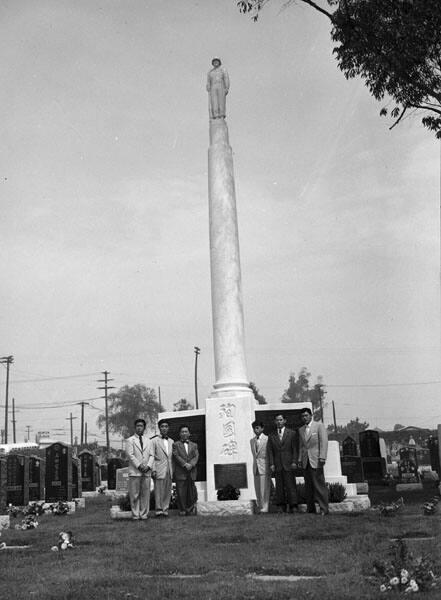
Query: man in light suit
162, 469
139, 450
282, 453
261, 470
313, 453
185, 459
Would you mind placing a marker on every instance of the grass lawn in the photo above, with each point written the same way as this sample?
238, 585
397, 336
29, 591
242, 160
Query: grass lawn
134, 559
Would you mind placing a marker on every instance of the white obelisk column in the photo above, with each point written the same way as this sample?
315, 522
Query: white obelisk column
226, 287
230, 408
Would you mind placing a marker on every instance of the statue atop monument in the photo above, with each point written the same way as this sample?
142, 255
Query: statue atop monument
218, 84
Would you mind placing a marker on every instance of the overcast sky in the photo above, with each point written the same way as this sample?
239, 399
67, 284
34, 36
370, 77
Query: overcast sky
103, 188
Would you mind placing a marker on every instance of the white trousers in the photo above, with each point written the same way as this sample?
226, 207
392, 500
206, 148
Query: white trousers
262, 485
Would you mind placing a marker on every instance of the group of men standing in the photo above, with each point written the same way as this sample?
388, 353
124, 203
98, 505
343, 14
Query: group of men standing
281, 453
163, 460
278, 455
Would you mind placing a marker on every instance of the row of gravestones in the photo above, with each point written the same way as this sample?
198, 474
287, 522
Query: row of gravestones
59, 476
370, 465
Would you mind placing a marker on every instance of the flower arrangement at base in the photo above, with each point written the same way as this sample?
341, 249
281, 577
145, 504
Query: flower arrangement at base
59, 508
102, 489
29, 522
429, 508
65, 541
34, 508
403, 572
13, 511
391, 509
228, 492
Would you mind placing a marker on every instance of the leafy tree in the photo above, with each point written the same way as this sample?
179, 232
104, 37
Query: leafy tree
352, 428
393, 45
130, 403
257, 395
398, 426
298, 390
182, 404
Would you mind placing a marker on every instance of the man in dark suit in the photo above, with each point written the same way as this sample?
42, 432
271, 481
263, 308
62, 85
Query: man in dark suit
185, 458
282, 453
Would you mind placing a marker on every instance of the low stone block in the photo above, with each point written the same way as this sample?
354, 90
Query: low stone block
90, 494
360, 502
80, 502
4, 522
71, 506
225, 508
362, 487
408, 487
341, 507
120, 515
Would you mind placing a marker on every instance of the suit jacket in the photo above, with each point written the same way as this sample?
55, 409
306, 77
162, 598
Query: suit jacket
282, 453
260, 457
180, 457
315, 446
162, 460
138, 456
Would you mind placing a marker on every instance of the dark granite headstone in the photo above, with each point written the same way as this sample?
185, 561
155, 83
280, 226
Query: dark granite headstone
112, 465
230, 474
409, 453
349, 447
369, 444
374, 469
2, 484
432, 444
88, 474
15, 476
97, 474
58, 473
36, 470
76, 478
408, 471
352, 468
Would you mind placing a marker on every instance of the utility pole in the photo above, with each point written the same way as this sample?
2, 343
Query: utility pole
71, 418
106, 387
82, 421
8, 360
28, 427
197, 351
321, 394
85, 432
159, 395
335, 420
13, 421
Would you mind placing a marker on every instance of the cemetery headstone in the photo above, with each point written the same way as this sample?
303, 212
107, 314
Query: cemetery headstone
432, 444
352, 468
374, 466
88, 472
349, 447
407, 465
112, 465
36, 471
97, 474
58, 473
2, 484
76, 478
122, 480
15, 479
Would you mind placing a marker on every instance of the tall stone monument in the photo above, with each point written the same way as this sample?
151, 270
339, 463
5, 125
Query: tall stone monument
224, 427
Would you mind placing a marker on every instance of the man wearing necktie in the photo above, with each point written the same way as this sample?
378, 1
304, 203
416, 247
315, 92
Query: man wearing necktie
139, 451
313, 452
261, 470
185, 459
282, 454
162, 469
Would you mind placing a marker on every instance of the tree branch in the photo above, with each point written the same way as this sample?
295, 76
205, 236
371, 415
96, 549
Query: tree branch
319, 9
399, 118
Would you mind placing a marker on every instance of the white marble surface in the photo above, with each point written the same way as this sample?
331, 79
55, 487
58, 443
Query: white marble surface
228, 431
225, 509
226, 287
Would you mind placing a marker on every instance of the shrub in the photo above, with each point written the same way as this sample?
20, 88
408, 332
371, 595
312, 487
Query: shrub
337, 492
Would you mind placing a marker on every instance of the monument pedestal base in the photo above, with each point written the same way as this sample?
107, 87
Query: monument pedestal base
228, 431
226, 508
